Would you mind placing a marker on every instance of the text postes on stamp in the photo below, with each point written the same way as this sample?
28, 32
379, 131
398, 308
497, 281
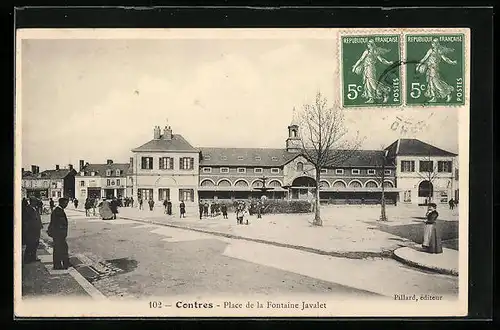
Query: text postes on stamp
371, 70
435, 69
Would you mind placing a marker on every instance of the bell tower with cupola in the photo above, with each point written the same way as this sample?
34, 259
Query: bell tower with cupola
293, 142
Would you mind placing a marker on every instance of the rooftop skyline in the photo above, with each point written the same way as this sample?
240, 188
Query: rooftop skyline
98, 99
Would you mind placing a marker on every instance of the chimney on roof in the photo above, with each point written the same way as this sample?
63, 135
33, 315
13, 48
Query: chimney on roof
57, 167
167, 133
70, 167
109, 162
33, 169
22, 170
132, 162
82, 164
157, 132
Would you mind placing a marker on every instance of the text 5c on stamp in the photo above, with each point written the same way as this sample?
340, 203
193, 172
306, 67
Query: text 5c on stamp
435, 69
371, 70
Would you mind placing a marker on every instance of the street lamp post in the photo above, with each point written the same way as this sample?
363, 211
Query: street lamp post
264, 188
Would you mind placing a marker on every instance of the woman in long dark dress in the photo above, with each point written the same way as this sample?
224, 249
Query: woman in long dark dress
432, 239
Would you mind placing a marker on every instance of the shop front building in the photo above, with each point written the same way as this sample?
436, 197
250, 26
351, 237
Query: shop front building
99, 181
56, 183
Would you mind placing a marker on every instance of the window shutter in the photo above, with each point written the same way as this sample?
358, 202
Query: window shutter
191, 163
181, 164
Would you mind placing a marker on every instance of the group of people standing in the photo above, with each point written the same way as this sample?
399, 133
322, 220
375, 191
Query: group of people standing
57, 229
242, 210
212, 209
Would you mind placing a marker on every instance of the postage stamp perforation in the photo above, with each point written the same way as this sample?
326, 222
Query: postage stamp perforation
428, 64
366, 66
403, 67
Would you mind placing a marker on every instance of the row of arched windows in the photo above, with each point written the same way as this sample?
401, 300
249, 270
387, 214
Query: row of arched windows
355, 184
276, 184
239, 183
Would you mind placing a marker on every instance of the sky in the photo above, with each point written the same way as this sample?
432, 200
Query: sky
94, 99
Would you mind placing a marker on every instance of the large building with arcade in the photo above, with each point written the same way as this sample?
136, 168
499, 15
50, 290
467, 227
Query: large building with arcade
169, 167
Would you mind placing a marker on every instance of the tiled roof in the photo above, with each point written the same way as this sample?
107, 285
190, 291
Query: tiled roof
392, 149
177, 143
365, 158
276, 157
49, 174
414, 147
245, 157
101, 169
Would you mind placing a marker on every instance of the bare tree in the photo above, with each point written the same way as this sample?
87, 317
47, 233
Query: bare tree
380, 162
324, 141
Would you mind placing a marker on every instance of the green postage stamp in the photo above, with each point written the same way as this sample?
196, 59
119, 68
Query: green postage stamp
371, 70
435, 69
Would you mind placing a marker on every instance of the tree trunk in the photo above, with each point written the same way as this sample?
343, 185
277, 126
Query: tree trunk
383, 216
317, 215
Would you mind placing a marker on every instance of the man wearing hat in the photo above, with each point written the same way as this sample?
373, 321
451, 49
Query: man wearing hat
58, 230
33, 224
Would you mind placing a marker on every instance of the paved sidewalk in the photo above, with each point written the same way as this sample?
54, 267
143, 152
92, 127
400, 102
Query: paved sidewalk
40, 280
444, 263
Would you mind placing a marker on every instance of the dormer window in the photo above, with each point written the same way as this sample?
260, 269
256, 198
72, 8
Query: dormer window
207, 157
92, 173
257, 158
223, 157
108, 172
118, 172
240, 157
274, 159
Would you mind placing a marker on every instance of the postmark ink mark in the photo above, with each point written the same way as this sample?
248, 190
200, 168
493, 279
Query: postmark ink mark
436, 74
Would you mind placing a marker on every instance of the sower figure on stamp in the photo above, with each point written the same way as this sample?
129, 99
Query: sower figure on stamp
33, 225
58, 230
373, 88
432, 239
429, 65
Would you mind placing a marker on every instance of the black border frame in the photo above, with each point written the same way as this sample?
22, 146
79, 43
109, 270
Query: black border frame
478, 19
